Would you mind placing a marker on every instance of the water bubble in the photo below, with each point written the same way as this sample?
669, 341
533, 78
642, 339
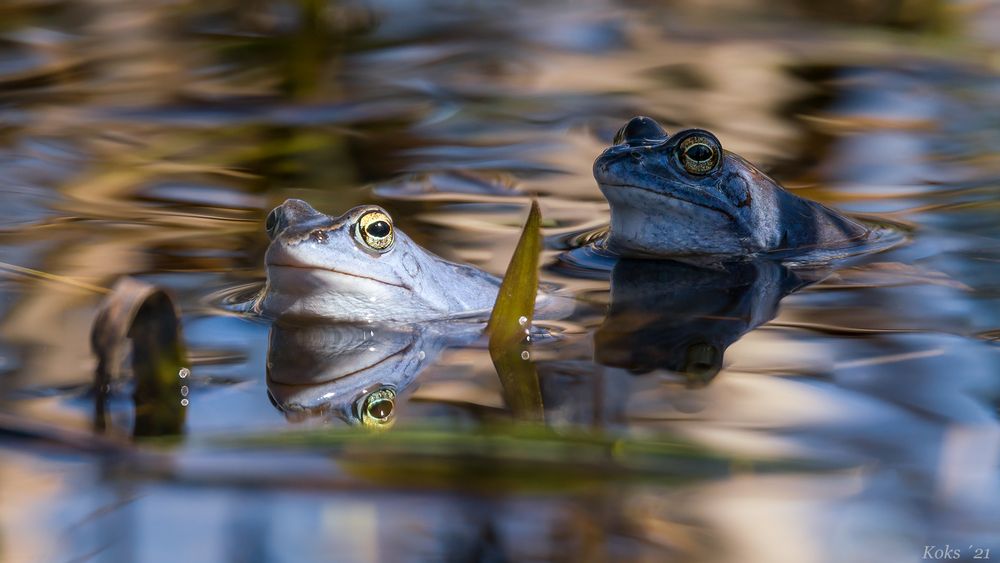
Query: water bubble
183, 373
525, 355
421, 355
184, 391
522, 321
185, 402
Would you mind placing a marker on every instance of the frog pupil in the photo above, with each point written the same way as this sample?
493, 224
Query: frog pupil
699, 152
378, 229
380, 409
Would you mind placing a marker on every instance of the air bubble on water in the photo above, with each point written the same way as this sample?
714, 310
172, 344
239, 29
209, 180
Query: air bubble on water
525, 355
522, 321
371, 348
421, 355
184, 391
185, 402
184, 372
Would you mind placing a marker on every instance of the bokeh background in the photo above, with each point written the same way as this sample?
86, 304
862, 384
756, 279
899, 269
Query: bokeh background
150, 139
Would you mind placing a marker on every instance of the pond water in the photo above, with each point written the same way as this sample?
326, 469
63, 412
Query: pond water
689, 415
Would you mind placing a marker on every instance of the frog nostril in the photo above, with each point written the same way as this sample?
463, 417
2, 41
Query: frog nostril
319, 236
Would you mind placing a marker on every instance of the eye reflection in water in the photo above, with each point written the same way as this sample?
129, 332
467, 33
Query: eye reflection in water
354, 373
375, 410
681, 316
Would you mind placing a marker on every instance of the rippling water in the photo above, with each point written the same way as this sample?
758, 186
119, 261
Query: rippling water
844, 416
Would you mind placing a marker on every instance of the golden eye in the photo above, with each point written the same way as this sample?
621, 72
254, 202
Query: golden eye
376, 409
699, 154
374, 230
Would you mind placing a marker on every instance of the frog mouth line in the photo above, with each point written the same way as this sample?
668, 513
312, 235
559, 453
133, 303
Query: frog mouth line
400, 285
399, 352
671, 196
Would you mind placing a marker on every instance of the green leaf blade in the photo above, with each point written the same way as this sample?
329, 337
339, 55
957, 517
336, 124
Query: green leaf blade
510, 322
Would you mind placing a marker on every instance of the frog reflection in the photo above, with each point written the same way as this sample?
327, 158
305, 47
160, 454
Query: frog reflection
352, 372
682, 316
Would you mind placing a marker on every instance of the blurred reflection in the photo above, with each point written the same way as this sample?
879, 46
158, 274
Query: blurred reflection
353, 372
683, 316
147, 139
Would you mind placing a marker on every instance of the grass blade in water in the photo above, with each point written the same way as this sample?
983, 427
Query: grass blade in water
511, 317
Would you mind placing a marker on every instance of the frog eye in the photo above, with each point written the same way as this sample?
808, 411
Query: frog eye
699, 153
375, 410
272, 223
701, 363
374, 230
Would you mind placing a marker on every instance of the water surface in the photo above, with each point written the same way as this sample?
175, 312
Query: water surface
739, 415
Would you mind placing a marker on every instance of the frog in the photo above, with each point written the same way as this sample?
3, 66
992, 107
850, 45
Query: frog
359, 267
685, 195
